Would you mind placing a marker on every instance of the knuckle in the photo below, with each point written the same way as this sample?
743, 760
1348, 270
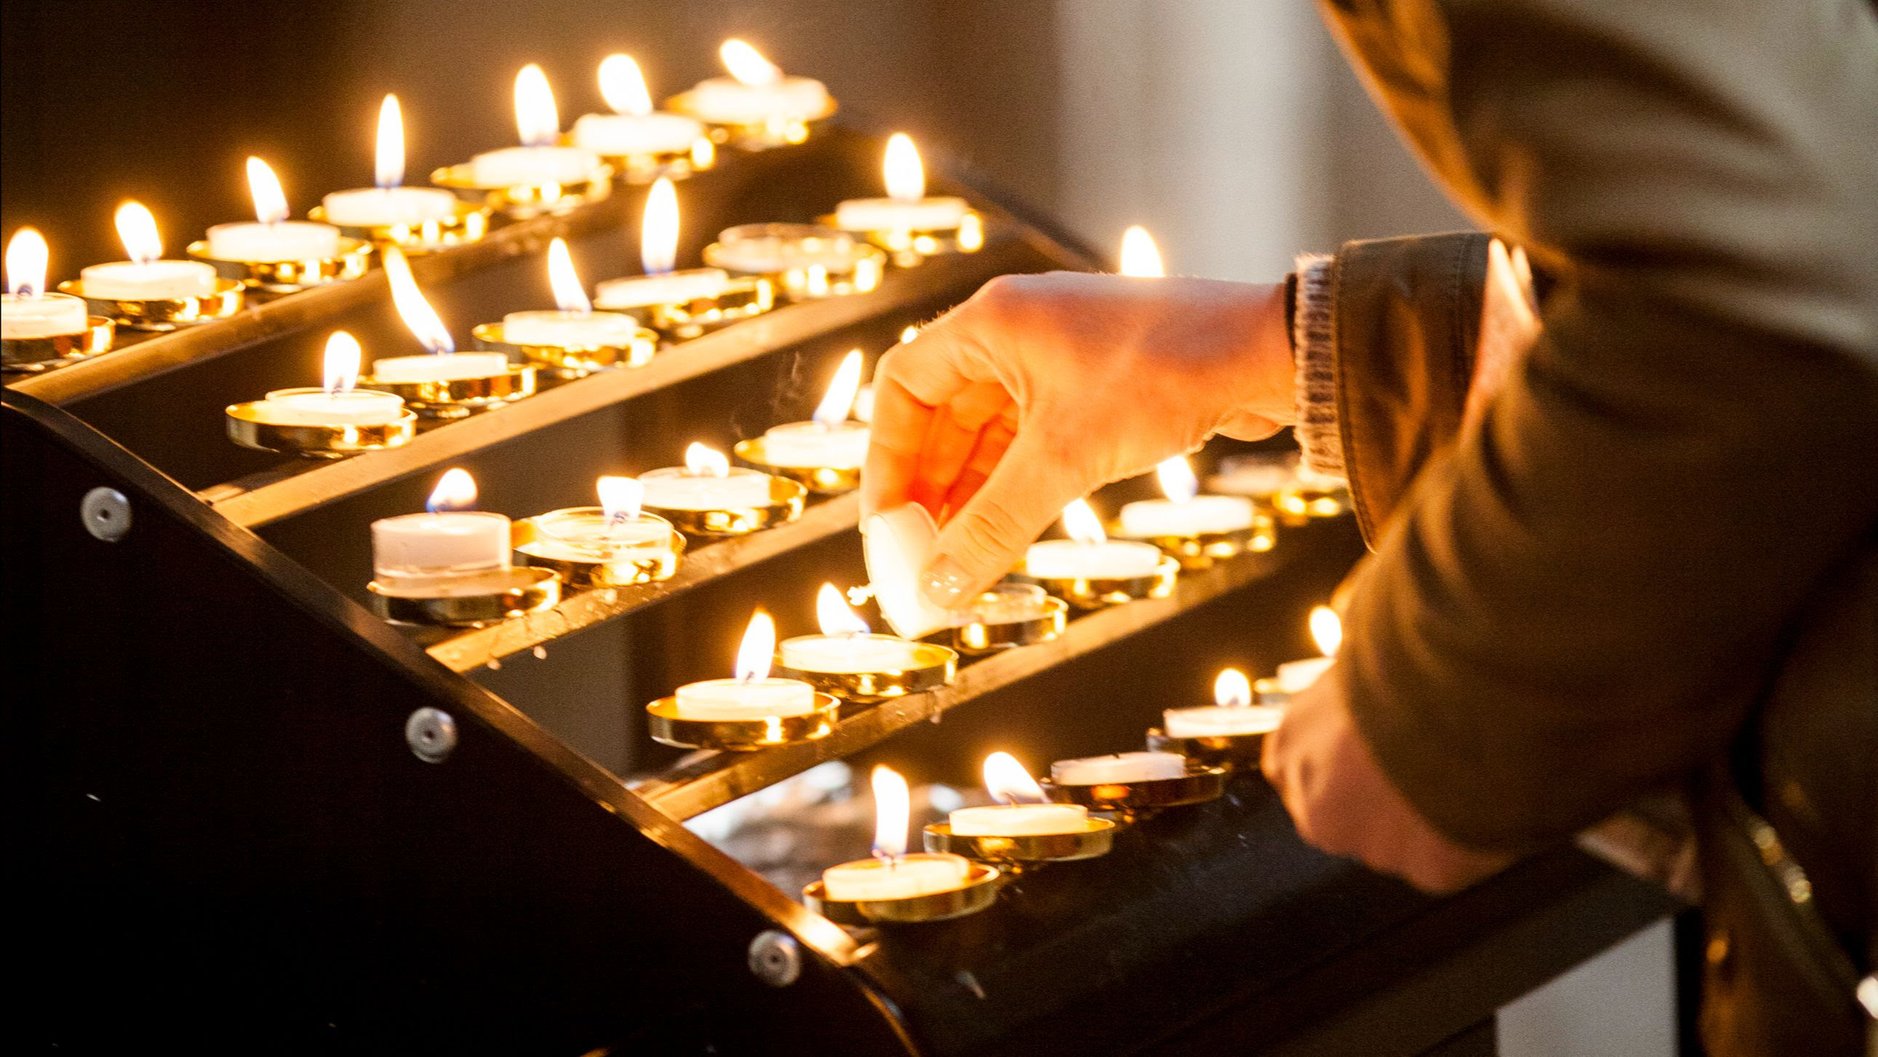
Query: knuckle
991, 529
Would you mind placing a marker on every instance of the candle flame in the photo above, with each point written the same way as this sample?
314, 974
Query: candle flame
623, 85
1141, 258
1232, 689
343, 355
759, 645
838, 400
620, 497
906, 175
27, 256
747, 64
1326, 630
893, 809
456, 490
569, 296
389, 171
658, 232
419, 318
834, 616
908, 333
1177, 480
137, 228
1009, 783
535, 115
270, 202
702, 460
1081, 524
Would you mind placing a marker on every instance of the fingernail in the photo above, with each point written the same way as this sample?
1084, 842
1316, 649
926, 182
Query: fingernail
944, 583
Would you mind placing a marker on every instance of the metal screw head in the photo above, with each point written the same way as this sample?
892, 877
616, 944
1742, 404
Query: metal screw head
431, 734
775, 958
106, 514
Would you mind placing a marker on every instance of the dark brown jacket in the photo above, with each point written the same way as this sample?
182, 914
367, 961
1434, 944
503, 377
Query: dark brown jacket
1667, 521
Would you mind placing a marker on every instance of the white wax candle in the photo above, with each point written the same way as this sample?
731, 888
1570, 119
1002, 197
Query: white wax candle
444, 544
1019, 820
938, 213
671, 288
41, 316
848, 653
1214, 721
1202, 514
287, 240
1297, 676
317, 407
907, 877
627, 134
377, 207
569, 330
716, 700
727, 101
1072, 559
811, 444
672, 488
1120, 767
445, 367
767, 248
519, 166
148, 280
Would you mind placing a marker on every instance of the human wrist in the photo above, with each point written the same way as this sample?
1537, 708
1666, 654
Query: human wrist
1317, 424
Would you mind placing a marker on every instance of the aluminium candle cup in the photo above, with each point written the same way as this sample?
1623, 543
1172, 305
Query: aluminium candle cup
1200, 550
523, 201
468, 222
822, 480
786, 501
627, 565
754, 135
475, 599
250, 429
1130, 801
979, 891
1094, 592
931, 667
1230, 752
571, 361
667, 727
851, 267
909, 247
285, 277
460, 397
163, 313
978, 636
1014, 854
36, 355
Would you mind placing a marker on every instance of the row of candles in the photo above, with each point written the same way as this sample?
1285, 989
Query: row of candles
746, 269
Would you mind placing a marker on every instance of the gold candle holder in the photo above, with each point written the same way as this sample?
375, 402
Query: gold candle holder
667, 727
740, 298
1306, 500
1201, 550
248, 427
472, 600
468, 222
806, 262
285, 277
1094, 592
1014, 854
822, 480
909, 247
985, 630
523, 201
647, 166
544, 542
786, 501
1228, 752
163, 313
978, 892
460, 397
759, 135
36, 355
1131, 801
571, 361
928, 666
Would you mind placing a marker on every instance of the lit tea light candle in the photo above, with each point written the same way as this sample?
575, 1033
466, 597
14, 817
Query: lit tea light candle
337, 403
908, 222
1021, 810
271, 236
846, 644
538, 161
829, 439
707, 481
27, 310
893, 874
1232, 715
1119, 768
752, 694
658, 252
389, 204
1089, 553
145, 277
1327, 631
1185, 512
757, 94
574, 324
614, 543
443, 363
448, 549
634, 131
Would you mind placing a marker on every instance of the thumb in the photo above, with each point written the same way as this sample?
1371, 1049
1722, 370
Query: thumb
1024, 493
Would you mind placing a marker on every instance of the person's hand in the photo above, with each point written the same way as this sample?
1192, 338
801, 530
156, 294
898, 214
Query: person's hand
1041, 388
1341, 801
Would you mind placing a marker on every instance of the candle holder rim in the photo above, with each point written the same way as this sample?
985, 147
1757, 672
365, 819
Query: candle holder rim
348, 247
247, 428
574, 361
787, 500
458, 177
977, 637
456, 397
822, 480
1201, 783
37, 355
1013, 851
978, 892
1093, 592
665, 726
518, 591
937, 672
462, 227
225, 298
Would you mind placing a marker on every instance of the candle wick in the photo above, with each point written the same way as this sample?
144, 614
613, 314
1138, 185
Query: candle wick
887, 859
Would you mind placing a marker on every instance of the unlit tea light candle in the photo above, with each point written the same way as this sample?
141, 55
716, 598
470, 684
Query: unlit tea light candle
145, 277
538, 161
271, 237
1021, 811
1119, 768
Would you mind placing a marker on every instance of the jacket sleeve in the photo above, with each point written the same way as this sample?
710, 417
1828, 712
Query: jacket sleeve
1581, 598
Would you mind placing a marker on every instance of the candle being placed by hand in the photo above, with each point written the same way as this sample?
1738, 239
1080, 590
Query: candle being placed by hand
1119, 768
1184, 513
451, 542
892, 873
1297, 676
337, 403
906, 207
537, 161
272, 237
1021, 810
145, 277
756, 92
752, 694
390, 203
633, 128
1089, 553
1232, 715
575, 325
829, 440
27, 310
444, 363
705, 482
